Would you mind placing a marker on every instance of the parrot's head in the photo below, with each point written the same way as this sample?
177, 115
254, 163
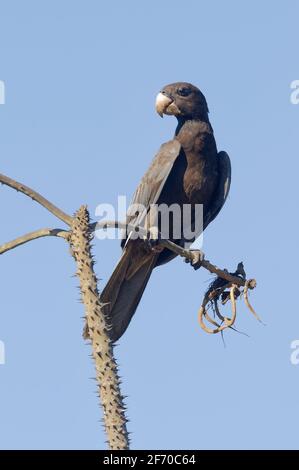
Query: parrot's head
182, 100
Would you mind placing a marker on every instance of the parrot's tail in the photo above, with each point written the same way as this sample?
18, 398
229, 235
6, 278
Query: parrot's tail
124, 290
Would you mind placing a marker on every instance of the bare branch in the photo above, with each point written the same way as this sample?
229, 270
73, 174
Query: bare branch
43, 232
188, 254
36, 197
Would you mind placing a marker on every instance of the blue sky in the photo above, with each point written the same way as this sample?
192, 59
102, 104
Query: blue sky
79, 125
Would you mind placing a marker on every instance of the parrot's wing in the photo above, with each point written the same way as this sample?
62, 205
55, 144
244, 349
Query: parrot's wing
222, 190
152, 183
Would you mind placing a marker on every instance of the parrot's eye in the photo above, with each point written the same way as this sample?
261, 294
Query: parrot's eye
183, 91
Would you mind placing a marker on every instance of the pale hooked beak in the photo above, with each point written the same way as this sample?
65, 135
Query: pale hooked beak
162, 103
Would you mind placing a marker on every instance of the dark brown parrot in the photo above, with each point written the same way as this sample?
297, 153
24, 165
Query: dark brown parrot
186, 170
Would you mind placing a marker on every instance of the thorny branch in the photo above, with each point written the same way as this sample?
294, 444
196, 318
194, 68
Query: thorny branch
102, 350
79, 239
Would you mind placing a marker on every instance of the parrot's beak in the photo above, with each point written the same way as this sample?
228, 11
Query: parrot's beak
162, 103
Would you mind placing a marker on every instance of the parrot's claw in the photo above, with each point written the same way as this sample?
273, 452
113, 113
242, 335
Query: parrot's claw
152, 241
197, 259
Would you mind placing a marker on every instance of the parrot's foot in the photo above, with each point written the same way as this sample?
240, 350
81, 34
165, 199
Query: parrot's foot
197, 259
152, 241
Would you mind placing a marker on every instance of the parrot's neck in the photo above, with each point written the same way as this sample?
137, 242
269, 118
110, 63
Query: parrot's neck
192, 127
